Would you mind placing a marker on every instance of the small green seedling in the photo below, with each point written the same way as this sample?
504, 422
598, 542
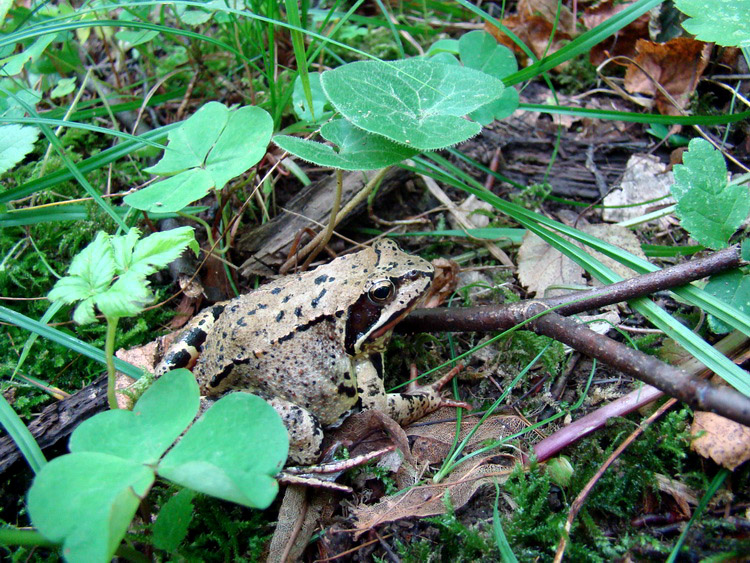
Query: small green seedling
110, 274
213, 146
85, 500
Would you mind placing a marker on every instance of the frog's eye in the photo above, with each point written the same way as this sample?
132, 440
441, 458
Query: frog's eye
381, 291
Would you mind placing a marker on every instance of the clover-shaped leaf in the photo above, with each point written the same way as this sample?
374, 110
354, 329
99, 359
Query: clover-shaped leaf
210, 148
143, 434
415, 102
356, 149
86, 502
232, 452
725, 23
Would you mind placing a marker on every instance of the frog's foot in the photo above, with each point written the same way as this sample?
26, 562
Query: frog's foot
323, 475
419, 400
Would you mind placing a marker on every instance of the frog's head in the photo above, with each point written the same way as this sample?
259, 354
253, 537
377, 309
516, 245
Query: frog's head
395, 284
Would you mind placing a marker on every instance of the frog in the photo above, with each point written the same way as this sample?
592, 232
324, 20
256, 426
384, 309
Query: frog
311, 344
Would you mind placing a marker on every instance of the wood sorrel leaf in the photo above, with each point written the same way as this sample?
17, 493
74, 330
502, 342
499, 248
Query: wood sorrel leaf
210, 148
415, 102
356, 149
710, 209
232, 452
86, 501
145, 433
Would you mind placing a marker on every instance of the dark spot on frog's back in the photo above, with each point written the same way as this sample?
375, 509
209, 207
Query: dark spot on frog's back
276, 291
315, 302
320, 279
348, 390
279, 316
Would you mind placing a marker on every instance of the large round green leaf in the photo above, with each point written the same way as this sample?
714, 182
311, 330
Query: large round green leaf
356, 149
232, 452
143, 434
86, 501
415, 102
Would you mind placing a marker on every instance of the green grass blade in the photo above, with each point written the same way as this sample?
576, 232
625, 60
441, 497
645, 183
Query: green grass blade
17, 430
38, 121
27, 323
639, 117
85, 166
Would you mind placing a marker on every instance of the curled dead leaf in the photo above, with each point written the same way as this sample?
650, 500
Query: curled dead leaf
668, 72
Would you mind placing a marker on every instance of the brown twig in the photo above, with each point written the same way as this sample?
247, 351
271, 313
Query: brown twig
695, 392
578, 502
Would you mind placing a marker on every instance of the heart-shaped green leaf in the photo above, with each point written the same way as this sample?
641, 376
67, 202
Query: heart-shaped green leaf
85, 501
415, 102
357, 149
210, 148
143, 434
232, 452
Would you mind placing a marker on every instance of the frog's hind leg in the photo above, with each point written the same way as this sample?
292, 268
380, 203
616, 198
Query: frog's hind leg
186, 348
305, 431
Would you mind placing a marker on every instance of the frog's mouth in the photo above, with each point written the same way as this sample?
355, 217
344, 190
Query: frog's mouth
387, 327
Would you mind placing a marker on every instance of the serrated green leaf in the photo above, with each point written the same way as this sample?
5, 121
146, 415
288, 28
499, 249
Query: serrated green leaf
172, 194
357, 149
726, 23
122, 249
16, 141
709, 208
734, 289
208, 459
86, 501
159, 249
171, 525
143, 434
90, 273
319, 100
14, 64
125, 298
418, 103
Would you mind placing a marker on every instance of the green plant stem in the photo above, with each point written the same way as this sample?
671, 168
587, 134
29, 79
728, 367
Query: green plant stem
109, 352
16, 536
331, 222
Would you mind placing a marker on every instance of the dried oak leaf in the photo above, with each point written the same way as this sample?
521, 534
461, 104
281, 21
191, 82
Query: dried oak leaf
676, 66
621, 43
723, 440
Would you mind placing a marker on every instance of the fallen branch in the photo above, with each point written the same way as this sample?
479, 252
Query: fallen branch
676, 383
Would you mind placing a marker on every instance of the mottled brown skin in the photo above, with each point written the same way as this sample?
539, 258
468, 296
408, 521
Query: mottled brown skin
306, 343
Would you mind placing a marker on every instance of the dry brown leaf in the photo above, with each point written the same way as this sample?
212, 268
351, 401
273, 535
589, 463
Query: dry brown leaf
617, 236
683, 495
725, 441
621, 43
645, 179
433, 435
676, 65
540, 266
535, 32
547, 9
428, 500
299, 515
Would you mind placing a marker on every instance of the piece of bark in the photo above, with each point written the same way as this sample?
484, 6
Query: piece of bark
269, 244
58, 420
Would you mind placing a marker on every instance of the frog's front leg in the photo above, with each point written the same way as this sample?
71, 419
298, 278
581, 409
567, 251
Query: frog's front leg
416, 402
186, 348
305, 431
